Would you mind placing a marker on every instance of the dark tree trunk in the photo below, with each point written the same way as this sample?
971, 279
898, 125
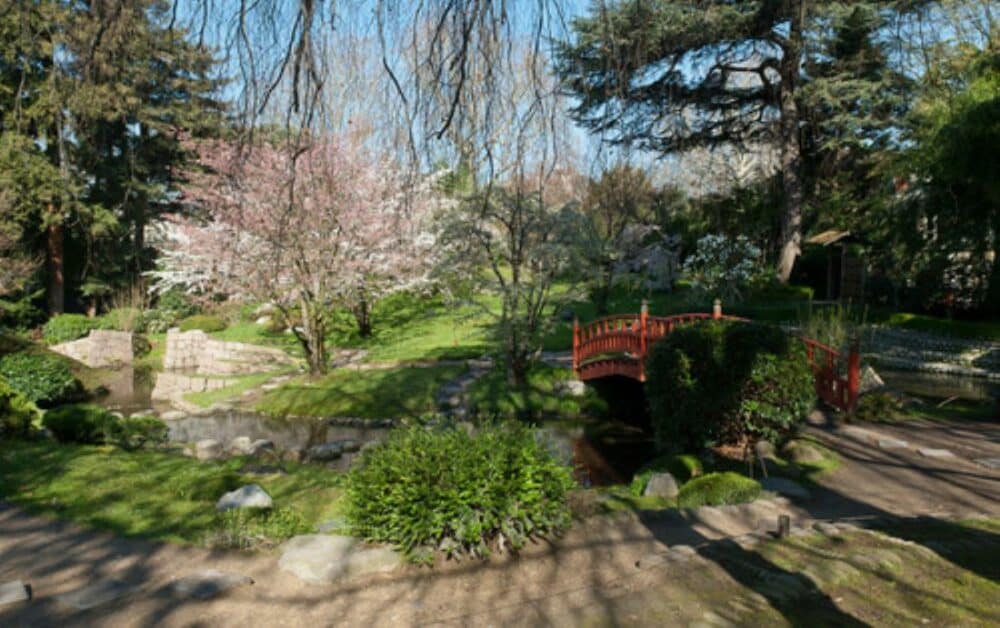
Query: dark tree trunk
363, 316
791, 153
55, 263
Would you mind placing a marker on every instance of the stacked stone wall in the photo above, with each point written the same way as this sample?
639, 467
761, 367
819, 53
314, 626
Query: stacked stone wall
196, 351
101, 348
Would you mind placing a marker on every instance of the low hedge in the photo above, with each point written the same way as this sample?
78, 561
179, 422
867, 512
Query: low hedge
719, 382
428, 489
43, 378
205, 322
718, 489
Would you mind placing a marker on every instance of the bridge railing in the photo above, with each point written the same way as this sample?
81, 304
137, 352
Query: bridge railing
618, 345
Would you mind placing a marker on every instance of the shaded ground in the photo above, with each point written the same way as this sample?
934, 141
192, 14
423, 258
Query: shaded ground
607, 571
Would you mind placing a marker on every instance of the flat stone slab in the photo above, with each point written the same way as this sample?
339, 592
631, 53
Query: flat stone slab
95, 594
892, 443
14, 592
930, 452
784, 486
322, 559
209, 583
989, 463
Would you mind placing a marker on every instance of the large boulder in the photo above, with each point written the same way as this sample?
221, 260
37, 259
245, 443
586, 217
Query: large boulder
13, 592
325, 452
249, 496
260, 447
322, 559
207, 449
661, 484
240, 445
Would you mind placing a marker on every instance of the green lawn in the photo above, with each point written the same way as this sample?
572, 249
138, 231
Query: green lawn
491, 396
370, 393
985, 330
152, 494
243, 383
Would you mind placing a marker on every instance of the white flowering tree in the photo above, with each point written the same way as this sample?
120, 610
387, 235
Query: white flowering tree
723, 267
325, 227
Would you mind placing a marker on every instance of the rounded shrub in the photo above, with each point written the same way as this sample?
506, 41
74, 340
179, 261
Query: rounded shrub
683, 467
80, 423
16, 413
428, 489
205, 322
718, 382
42, 378
718, 489
67, 327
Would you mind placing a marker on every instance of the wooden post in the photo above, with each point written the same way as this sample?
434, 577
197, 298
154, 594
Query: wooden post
576, 344
643, 338
853, 376
717, 309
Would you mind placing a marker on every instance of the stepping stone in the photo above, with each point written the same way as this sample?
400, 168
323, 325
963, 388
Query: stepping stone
249, 496
929, 452
14, 592
892, 443
95, 594
784, 486
827, 529
208, 583
989, 463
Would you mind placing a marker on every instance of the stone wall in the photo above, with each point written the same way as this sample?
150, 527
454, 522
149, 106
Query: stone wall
173, 386
196, 351
101, 348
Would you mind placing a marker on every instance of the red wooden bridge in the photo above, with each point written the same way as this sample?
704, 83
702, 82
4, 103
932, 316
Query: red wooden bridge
619, 344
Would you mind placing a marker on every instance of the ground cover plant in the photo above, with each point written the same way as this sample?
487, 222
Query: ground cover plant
718, 489
43, 378
442, 488
17, 414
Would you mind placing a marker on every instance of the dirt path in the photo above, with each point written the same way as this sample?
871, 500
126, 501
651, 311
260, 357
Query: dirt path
606, 571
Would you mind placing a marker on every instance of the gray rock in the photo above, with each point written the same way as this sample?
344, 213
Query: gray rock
784, 486
249, 496
892, 443
764, 449
173, 415
207, 449
325, 452
662, 485
929, 452
870, 381
260, 446
989, 463
95, 594
320, 558
209, 583
240, 445
572, 387
335, 524
293, 455
13, 592
349, 445
220, 407
263, 320
827, 529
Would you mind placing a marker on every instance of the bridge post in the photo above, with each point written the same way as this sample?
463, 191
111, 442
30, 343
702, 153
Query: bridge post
643, 338
853, 376
576, 344
717, 309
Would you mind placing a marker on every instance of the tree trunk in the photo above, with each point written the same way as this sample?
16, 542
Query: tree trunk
55, 259
791, 153
363, 317
313, 337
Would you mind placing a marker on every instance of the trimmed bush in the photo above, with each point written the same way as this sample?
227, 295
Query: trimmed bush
444, 489
88, 424
16, 412
205, 322
718, 382
42, 378
67, 327
718, 489
683, 467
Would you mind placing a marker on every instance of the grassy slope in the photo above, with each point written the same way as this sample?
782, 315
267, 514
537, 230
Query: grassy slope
150, 494
370, 393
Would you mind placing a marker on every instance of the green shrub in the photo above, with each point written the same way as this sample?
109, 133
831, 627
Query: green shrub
426, 489
93, 425
42, 378
16, 412
205, 322
67, 327
125, 319
80, 423
878, 407
718, 489
254, 528
683, 467
720, 382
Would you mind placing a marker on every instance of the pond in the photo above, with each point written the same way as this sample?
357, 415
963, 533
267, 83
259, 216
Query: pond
940, 386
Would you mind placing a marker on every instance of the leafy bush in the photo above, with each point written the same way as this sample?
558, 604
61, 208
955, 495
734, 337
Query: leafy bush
16, 413
41, 377
427, 489
724, 268
683, 467
67, 327
878, 407
92, 425
718, 489
254, 528
204, 322
125, 319
719, 382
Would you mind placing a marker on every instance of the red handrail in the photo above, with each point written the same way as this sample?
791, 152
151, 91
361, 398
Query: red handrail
618, 345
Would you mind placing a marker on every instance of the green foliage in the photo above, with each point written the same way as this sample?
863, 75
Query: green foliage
136, 432
17, 414
878, 407
718, 489
427, 489
205, 322
67, 327
88, 424
42, 378
542, 396
254, 528
718, 382
682, 466
124, 319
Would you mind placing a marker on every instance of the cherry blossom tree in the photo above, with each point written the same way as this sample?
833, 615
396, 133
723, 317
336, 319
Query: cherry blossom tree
323, 227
